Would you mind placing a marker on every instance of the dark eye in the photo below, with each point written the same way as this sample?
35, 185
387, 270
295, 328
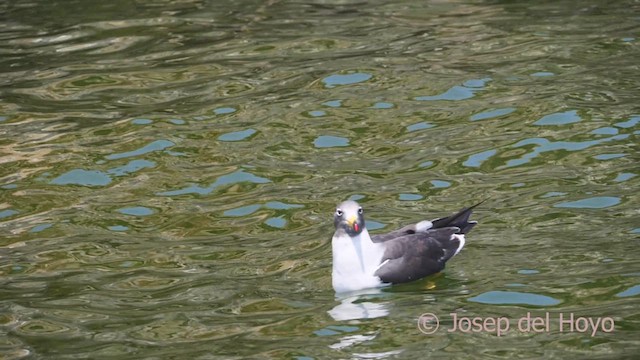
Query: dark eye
360, 211
339, 212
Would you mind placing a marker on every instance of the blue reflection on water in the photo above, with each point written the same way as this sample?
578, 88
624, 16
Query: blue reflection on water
7, 212
345, 79
224, 110
157, 145
544, 145
237, 135
513, 298
624, 177
142, 121
562, 118
235, 177
383, 105
419, 126
632, 291
457, 92
40, 227
317, 113
82, 177
131, 167
333, 103
326, 141
492, 114
136, 211
410, 197
276, 222
440, 184
242, 211
598, 202
476, 160
542, 74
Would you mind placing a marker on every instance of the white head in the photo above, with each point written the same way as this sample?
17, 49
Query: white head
349, 217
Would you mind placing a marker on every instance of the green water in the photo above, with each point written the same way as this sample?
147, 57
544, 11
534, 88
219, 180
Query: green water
168, 173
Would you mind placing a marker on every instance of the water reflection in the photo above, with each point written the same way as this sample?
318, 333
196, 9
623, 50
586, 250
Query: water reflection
363, 304
514, 297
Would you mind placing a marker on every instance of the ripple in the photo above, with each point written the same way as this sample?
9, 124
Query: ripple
276, 222
375, 225
317, 113
476, 160
224, 110
457, 92
514, 298
131, 167
118, 228
633, 121
563, 118
233, 178
553, 194
41, 227
144, 283
157, 145
345, 79
327, 141
528, 272
605, 131
242, 211
383, 105
237, 135
489, 114
83, 177
598, 202
624, 177
410, 197
335, 330
632, 291
544, 145
419, 126
543, 74
277, 205
142, 121
7, 213
136, 211
440, 184
333, 103
609, 156
273, 205
42, 327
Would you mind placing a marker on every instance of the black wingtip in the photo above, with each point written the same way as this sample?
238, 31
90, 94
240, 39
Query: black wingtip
460, 220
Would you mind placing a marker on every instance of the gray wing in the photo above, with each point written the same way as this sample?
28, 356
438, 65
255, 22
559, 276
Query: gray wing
459, 220
407, 230
412, 256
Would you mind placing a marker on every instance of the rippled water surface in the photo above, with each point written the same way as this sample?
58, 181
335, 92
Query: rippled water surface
169, 169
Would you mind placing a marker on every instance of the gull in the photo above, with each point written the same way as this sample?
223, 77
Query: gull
362, 261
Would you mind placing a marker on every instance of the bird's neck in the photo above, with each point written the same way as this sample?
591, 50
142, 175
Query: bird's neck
356, 255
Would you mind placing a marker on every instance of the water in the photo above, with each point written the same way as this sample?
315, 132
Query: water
169, 170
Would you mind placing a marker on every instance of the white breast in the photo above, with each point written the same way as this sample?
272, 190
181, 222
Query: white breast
355, 260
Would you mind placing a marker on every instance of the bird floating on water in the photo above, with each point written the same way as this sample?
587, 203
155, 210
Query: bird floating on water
362, 261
